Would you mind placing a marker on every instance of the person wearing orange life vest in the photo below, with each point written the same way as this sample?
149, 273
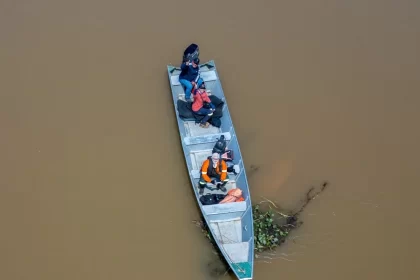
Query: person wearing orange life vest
213, 167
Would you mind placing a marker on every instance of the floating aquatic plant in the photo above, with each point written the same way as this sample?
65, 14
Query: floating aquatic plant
271, 227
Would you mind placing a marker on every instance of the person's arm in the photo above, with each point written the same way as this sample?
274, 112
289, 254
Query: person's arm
224, 171
185, 65
206, 97
195, 99
204, 169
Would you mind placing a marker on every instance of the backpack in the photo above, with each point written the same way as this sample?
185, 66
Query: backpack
210, 199
216, 122
220, 146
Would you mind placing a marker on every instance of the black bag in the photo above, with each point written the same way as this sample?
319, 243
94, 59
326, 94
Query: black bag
210, 199
220, 145
215, 122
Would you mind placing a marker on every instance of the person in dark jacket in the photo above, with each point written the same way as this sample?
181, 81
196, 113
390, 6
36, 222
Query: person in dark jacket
188, 76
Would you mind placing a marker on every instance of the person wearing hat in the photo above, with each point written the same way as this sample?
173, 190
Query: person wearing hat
188, 76
216, 168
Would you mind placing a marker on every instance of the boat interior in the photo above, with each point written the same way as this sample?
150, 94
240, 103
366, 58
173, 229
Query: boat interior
230, 223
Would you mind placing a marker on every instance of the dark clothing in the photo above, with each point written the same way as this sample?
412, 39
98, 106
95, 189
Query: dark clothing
207, 113
191, 52
185, 111
188, 72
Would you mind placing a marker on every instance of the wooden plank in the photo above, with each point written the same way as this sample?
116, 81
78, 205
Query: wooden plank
207, 76
224, 208
193, 140
237, 252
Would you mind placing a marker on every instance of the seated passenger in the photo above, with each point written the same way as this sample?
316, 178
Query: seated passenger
202, 105
188, 76
213, 167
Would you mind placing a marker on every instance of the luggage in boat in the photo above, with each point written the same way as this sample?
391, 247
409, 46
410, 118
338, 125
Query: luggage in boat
228, 155
220, 146
210, 199
234, 195
214, 121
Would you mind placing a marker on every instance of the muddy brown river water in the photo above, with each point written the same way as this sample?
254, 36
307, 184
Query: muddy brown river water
93, 183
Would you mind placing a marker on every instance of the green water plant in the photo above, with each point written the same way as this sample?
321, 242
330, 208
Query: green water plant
267, 233
270, 228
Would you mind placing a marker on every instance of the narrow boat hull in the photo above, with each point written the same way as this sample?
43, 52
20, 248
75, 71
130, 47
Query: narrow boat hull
231, 224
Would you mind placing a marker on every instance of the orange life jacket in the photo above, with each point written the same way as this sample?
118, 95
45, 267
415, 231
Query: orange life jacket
207, 168
234, 195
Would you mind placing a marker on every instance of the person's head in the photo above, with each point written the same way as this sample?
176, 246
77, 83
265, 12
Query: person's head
215, 158
202, 86
195, 62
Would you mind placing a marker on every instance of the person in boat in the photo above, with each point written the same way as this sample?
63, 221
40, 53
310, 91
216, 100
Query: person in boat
216, 168
189, 75
202, 105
